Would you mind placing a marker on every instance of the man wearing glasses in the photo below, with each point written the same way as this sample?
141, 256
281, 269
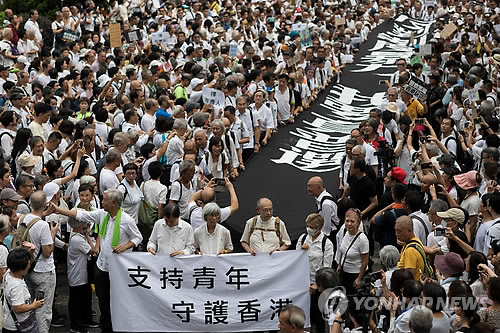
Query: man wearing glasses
25, 187
401, 68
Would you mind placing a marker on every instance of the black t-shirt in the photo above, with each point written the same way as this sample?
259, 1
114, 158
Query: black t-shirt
361, 190
454, 247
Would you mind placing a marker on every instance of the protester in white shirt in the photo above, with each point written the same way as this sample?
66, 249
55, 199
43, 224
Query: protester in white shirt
211, 237
171, 235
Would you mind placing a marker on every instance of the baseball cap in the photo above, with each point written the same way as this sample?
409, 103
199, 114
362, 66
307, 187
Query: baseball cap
189, 106
453, 213
450, 263
9, 194
50, 190
195, 81
27, 160
399, 174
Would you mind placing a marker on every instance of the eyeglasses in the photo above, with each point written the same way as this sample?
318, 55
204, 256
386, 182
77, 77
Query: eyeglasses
29, 185
401, 64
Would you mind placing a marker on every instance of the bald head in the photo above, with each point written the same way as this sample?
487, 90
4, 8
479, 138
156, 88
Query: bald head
315, 186
207, 195
404, 229
189, 147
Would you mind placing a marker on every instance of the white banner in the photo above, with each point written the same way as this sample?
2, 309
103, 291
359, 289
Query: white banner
227, 293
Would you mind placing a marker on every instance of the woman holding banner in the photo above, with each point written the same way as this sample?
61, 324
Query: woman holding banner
211, 237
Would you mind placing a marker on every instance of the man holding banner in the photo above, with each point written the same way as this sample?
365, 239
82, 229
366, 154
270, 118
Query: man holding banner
123, 235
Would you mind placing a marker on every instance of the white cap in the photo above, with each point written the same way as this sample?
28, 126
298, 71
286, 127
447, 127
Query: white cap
50, 190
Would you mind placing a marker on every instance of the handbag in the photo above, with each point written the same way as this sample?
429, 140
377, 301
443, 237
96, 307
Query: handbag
148, 214
345, 257
70, 35
29, 325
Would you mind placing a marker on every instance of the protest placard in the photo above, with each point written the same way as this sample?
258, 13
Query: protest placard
133, 35
115, 35
448, 30
233, 50
227, 293
213, 96
416, 87
339, 21
159, 38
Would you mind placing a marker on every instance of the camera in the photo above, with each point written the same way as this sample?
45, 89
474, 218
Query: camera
439, 232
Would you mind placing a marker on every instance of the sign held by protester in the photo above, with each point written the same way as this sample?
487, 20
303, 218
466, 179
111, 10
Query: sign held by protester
233, 50
115, 35
213, 96
133, 35
159, 38
416, 87
339, 21
200, 293
448, 30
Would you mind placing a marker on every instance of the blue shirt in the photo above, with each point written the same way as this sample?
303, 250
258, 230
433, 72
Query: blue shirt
162, 113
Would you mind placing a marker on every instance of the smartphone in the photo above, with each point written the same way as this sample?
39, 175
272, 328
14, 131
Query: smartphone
376, 275
220, 181
80, 144
422, 139
419, 121
477, 123
439, 232
381, 82
40, 295
121, 76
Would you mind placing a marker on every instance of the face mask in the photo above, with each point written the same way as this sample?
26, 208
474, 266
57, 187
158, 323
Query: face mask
443, 223
310, 231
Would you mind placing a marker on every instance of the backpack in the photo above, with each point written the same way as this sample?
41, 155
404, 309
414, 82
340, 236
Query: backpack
463, 159
428, 271
327, 197
276, 227
22, 234
423, 224
302, 238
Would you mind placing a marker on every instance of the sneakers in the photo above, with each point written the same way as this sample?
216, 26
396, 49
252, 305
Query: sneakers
91, 324
58, 322
81, 330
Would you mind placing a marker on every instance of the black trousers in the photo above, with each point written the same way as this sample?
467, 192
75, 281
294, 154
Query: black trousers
80, 305
347, 281
102, 288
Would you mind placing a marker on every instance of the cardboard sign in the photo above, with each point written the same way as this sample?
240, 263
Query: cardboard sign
473, 95
429, 3
305, 38
416, 87
448, 30
339, 21
132, 36
425, 50
184, 47
214, 97
159, 38
115, 35
233, 50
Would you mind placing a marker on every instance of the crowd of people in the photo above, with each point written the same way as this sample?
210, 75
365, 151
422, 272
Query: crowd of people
113, 149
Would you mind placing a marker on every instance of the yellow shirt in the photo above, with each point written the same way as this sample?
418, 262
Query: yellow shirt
411, 258
414, 109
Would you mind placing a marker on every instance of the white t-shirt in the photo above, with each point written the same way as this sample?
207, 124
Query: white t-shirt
212, 243
352, 261
40, 236
471, 204
175, 149
16, 293
131, 203
4, 252
370, 157
196, 215
78, 250
147, 122
181, 194
155, 193
107, 180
